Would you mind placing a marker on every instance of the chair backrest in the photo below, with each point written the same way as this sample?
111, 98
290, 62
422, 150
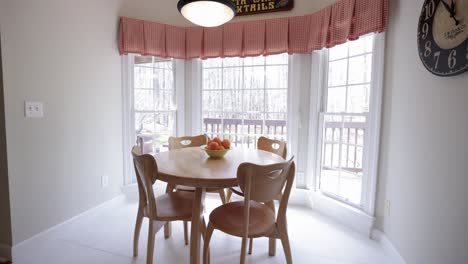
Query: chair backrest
184, 142
264, 183
146, 171
278, 147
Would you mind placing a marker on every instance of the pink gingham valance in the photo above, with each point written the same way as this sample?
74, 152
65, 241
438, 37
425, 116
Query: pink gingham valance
333, 25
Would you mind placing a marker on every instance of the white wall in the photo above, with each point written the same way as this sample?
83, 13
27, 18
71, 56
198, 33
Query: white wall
62, 53
424, 161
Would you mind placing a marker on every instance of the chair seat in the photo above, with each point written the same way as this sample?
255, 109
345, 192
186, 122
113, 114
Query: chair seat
229, 218
173, 206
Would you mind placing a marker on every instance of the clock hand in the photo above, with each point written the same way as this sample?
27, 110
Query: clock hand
454, 12
451, 10
452, 7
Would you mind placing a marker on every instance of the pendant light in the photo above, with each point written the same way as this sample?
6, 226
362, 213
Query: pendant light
207, 13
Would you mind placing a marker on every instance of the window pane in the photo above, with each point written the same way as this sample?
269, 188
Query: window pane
361, 45
143, 99
254, 101
276, 101
337, 73
339, 52
358, 99
210, 63
143, 77
232, 62
277, 59
212, 101
212, 79
276, 77
341, 170
254, 77
336, 99
164, 100
232, 78
232, 101
360, 69
260, 60
164, 79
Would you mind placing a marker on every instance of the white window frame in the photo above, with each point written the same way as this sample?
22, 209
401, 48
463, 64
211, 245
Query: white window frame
359, 218
128, 110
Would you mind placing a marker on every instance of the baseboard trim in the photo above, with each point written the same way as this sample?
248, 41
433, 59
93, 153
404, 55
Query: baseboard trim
65, 222
5, 252
388, 246
346, 215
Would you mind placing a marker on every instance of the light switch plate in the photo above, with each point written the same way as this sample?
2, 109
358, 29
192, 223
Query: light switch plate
33, 109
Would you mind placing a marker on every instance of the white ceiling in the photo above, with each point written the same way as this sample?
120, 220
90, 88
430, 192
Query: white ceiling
165, 11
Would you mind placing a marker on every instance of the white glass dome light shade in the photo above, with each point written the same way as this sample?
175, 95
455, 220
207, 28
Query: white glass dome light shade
207, 13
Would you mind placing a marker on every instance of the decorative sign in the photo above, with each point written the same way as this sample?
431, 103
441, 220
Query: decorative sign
250, 7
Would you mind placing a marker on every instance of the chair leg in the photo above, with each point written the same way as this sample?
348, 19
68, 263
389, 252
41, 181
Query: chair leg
222, 195
167, 230
167, 226
136, 235
203, 228
206, 243
243, 250
286, 248
250, 246
151, 234
271, 246
228, 195
186, 233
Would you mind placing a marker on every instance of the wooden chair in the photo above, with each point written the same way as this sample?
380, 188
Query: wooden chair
174, 206
255, 216
277, 147
184, 142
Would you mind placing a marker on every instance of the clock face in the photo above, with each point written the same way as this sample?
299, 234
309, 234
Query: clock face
443, 36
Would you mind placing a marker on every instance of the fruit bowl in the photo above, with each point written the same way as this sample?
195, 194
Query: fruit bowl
216, 154
217, 148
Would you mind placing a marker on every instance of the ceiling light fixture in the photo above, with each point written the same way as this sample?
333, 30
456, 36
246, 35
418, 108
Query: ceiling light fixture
207, 13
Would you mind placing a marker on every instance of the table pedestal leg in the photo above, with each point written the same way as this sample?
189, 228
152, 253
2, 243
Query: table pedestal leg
197, 214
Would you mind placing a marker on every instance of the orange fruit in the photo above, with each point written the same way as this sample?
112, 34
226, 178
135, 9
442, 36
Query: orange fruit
213, 146
217, 140
221, 148
209, 141
226, 143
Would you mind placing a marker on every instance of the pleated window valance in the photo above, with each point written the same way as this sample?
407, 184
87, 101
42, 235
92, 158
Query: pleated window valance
333, 25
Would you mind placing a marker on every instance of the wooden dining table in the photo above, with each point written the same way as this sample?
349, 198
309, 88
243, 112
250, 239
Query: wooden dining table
193, 167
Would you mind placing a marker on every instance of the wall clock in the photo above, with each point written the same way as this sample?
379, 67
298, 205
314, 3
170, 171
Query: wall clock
443, 36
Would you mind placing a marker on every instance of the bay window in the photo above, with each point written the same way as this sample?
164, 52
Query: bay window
326, 105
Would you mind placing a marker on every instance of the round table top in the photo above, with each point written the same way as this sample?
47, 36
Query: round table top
192, 166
